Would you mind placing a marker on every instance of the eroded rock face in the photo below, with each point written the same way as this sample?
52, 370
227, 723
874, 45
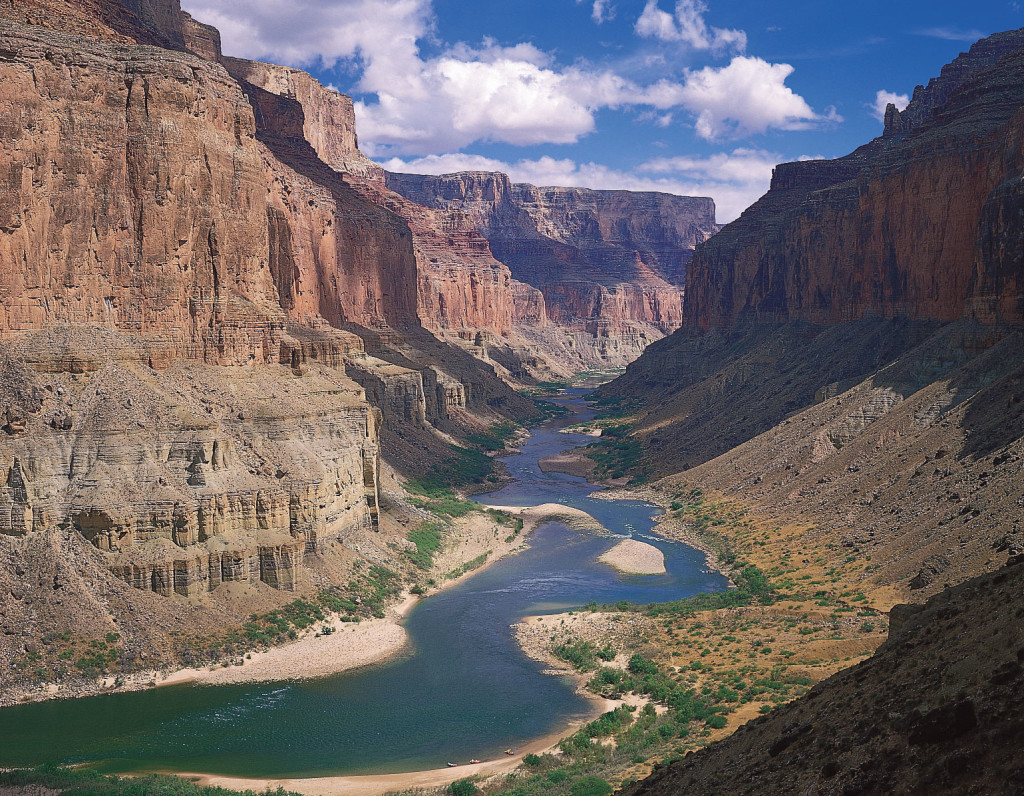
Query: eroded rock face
921, 223
191, 476
461, 291
609, 263
151, 131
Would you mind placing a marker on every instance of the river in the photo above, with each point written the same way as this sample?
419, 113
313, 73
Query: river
464, 690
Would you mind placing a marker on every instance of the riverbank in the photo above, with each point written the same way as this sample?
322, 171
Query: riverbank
538, 581
377, 784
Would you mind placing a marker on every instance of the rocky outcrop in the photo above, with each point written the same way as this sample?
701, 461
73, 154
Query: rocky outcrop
319, 116
461, 291
175, 251
846, 265
609, 263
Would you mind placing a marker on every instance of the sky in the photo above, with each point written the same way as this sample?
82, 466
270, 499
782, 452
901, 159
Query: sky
693, 97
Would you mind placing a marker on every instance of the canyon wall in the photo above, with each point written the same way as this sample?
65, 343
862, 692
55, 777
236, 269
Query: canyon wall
610, 264
462, 292
918, 224
850, 361
187, 285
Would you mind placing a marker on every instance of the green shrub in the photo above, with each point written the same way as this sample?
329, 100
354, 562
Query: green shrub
590, 786
427, 538
581, 654
638, 664
463, 787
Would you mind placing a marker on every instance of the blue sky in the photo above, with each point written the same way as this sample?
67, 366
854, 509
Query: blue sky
686, 96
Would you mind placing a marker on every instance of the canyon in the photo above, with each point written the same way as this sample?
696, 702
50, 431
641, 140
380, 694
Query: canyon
226, 337
848, 380
234, 350
858, 323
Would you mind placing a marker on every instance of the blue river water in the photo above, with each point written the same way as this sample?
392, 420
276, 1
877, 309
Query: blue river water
463, 690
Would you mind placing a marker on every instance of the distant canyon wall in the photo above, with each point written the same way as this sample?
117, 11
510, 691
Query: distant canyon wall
609, 263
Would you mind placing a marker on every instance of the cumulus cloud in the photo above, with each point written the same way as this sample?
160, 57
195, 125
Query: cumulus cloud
416, 105
733, 179
307, 32
687, 26
602, 10
882, 100
746, 97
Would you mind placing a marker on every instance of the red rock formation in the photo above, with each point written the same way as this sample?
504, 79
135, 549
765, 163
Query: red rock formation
919, 223
461, 288
155, 215
140, 207
609, 263
846, 265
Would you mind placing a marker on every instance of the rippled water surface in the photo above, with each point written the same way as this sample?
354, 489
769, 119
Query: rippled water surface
464, 690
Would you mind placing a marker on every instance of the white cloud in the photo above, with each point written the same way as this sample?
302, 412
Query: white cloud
882, 100
306, 32
602, 10
688, 27
952, 34
733, 179
511, 94
747, 97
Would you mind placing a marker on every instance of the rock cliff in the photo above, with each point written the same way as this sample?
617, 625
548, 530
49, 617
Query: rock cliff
609, 263
210, 343
916, 224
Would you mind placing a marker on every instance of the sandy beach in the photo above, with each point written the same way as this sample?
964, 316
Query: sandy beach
635, 558
533, 516
351, 645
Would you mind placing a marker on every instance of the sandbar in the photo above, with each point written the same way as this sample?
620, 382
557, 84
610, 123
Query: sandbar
635, 558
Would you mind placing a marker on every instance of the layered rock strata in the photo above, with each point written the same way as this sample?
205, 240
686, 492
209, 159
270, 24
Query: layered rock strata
850, 357
462, 292
158, 221
191, 476
919, 223
609, 263
918, 227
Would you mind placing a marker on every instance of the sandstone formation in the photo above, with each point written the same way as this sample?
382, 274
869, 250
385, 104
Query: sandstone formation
610, 264
210, 341
918, 224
